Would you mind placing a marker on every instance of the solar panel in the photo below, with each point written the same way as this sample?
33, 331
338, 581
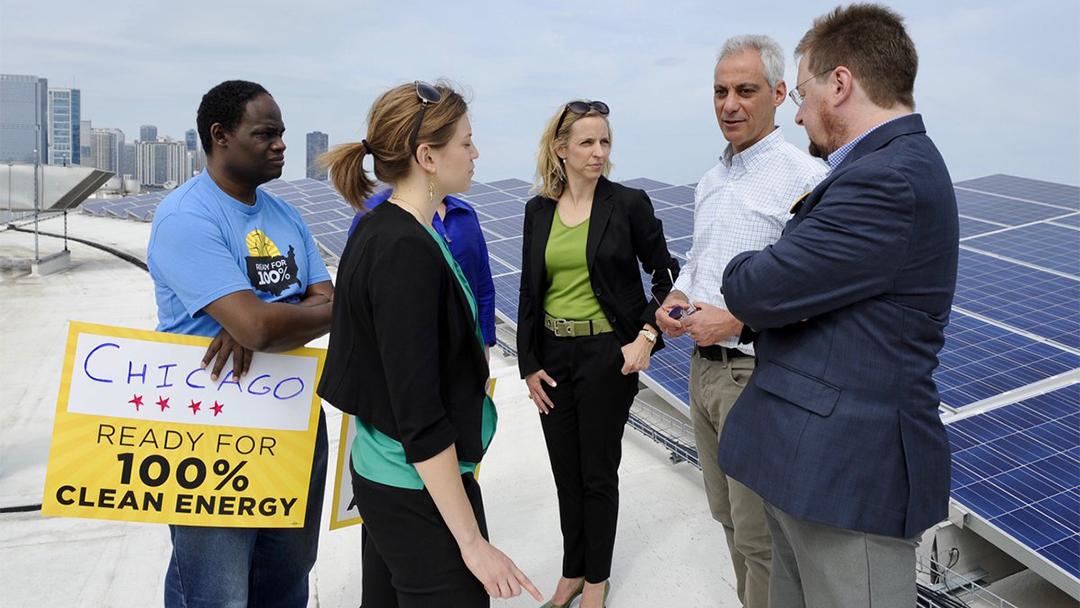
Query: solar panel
1045, 245
495, 196
670, 370
1024, 188
478, 188
509, 251
678, 222
1018, 468
504, 209
1003, 210
508, 184
676, 195
1021, 297
645, 183
970, 227
94, 207
981, 360
506, 227
506, 295
1069, 220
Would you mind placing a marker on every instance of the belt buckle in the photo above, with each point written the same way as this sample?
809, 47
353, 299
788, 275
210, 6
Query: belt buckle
564, 328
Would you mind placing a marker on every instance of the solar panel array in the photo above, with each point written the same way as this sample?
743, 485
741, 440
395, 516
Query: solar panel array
1016, 320
1018, 468
1015, 325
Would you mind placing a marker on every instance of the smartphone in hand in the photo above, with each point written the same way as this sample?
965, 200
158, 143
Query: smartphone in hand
679, 312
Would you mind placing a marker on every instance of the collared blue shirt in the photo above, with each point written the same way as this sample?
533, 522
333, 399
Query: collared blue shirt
460, 228
841, 153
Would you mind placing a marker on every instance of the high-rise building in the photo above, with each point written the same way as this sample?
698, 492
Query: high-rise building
86, 149
108, 147
24, 118
317, 143
148, 133
65, 126
127, 160
198, 160
164, 162
191, 140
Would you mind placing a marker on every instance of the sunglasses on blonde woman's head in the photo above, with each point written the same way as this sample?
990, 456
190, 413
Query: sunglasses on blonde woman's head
579, 108
428, 95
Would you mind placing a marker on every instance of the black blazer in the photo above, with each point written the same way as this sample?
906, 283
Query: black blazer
623, 229
403, 354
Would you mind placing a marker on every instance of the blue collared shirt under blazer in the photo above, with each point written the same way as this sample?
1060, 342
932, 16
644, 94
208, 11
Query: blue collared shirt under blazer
839, 423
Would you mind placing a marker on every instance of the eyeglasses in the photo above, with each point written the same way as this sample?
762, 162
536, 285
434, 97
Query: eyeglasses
581, 107
798, 97
427, 94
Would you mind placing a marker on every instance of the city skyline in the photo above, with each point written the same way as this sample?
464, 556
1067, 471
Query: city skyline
325, 65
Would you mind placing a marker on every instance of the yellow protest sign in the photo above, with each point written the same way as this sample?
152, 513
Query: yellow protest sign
142, 433
343, 513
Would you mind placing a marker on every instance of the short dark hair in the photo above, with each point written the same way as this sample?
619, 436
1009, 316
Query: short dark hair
870, 40
225, 104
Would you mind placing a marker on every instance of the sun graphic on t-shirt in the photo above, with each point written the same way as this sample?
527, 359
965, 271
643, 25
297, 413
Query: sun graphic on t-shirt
260, 245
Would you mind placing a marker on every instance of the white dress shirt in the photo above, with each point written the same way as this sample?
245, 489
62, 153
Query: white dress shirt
742, 204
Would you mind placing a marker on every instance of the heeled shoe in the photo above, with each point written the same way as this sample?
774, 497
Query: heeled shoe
573, 595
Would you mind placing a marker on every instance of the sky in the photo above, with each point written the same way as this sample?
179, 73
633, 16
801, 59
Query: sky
998, 83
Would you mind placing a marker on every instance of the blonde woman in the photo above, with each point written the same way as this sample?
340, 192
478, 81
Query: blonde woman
406, 358
586, 328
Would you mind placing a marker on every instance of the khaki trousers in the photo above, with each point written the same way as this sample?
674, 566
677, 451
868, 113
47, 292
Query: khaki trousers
714, 387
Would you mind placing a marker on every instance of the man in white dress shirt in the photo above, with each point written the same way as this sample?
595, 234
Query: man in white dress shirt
741, 204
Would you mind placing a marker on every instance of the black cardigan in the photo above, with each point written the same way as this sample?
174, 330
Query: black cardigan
403, 354
623, 229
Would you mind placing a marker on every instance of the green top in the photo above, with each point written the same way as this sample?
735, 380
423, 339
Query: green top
380, 458
569, 294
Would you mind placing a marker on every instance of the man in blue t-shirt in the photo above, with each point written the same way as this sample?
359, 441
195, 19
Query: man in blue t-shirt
232, 262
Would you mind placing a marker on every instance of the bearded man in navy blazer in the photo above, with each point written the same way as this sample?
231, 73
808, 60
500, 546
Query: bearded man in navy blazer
838, 429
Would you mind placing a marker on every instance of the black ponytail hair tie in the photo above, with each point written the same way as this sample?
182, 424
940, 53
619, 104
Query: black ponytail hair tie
367, 147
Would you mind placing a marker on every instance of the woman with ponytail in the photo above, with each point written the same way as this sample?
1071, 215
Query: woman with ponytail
406, 359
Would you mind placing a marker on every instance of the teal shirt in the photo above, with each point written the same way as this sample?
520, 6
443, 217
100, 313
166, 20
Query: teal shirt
380, 458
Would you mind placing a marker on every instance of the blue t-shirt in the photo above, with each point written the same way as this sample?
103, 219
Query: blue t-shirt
204, 245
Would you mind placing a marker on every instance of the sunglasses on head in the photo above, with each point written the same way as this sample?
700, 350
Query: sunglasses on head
581, 107
427, 94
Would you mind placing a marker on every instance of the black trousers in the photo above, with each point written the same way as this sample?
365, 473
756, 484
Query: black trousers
584, 441
410, 559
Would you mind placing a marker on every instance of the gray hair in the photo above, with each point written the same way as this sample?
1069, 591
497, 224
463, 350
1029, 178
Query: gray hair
772, 56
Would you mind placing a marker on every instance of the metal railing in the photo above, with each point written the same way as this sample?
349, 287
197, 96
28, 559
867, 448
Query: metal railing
942, 587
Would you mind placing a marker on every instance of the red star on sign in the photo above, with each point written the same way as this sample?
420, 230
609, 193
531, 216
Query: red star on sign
163, 402
194, 407
137, 401
217, 408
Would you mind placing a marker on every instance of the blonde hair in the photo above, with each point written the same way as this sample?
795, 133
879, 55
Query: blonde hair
390, 123
550, 173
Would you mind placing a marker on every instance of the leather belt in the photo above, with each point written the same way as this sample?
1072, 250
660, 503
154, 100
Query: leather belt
565, 328
716, 352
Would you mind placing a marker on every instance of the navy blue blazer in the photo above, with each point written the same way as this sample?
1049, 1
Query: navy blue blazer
839, 423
